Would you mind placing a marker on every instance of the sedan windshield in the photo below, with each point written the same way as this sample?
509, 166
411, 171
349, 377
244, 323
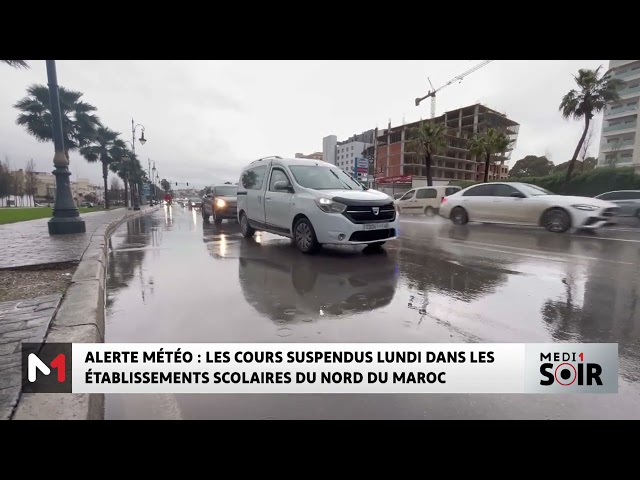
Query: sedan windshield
323, 178
533, 190
226, 191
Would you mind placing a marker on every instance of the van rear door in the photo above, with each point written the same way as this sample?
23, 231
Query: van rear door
253, 180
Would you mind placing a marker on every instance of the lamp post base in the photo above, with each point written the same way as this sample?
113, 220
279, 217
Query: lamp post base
61, 226
66, 217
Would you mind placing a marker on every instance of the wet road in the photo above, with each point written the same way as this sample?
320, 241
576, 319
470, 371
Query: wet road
171, 279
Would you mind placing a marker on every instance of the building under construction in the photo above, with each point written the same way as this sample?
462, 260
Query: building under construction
396, 163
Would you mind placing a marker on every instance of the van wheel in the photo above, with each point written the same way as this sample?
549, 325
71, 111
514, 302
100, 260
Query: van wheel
429, 212
305, 236
459, 216
247, 230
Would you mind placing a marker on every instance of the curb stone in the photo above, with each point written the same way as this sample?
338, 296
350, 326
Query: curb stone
79, 319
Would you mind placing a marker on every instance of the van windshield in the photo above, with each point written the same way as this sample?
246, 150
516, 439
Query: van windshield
323, 178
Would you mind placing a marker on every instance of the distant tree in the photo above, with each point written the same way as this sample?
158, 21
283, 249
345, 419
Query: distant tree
166, 186
594, 93
106, 149
16, 63
91, 197
30, 180
79, 121
5, 180
531, 166
426, 141
487, 144
589, 163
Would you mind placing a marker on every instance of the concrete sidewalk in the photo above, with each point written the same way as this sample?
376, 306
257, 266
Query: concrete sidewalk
27, 245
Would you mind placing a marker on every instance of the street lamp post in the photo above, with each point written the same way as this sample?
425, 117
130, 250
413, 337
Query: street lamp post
153, 179
66, 217
136, 202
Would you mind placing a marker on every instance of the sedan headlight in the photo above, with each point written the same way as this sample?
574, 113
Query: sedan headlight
585, 207
329, 206
220, 203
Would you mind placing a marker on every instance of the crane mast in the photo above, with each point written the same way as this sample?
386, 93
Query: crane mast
433, 91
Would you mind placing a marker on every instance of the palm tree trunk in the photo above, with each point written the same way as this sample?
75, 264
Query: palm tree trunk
427, 159
105, 174
126, 193
587, 120
486, 167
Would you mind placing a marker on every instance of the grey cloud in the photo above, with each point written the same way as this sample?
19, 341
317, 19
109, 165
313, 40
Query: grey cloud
205, 119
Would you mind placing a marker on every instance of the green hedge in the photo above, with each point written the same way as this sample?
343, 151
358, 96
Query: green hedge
587, 184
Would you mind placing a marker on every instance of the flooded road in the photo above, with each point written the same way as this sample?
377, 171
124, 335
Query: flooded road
173, 279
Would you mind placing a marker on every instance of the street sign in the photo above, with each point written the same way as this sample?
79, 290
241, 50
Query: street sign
362, 163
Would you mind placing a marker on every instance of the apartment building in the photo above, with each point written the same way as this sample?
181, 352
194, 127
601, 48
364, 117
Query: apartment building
394, 158
345, 154
620, 139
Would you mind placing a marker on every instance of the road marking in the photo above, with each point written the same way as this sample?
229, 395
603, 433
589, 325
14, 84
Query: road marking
574, 236
531, 253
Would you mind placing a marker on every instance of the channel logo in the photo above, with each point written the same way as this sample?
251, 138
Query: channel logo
46, 368
572, 368
567, 369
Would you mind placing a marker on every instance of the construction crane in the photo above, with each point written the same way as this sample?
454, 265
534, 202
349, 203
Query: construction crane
433, 91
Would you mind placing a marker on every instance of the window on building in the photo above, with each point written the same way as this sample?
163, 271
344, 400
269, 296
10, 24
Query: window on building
351, 147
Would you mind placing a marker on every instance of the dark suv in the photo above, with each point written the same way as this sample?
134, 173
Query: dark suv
220, 201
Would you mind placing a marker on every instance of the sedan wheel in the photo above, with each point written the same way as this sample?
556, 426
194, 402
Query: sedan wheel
459, 216
557, 221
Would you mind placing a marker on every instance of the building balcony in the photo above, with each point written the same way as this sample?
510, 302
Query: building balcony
620, 126
628, 75
609, 147
629, 91
615, 113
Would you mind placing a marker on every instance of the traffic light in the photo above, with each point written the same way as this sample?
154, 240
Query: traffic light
176, 184
187, 184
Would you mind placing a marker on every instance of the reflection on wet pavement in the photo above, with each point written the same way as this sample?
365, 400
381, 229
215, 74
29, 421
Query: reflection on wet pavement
173, 279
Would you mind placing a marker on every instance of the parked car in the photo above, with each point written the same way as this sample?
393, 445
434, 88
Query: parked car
627, 200
221, 202
313, 203
87, 204
424, 200
525, 204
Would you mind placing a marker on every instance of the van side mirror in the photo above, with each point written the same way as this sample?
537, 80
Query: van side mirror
283, 186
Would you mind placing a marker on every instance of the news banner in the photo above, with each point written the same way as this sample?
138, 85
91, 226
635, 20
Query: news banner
285, 368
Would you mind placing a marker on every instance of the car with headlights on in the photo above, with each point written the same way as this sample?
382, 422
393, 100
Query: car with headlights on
194, 203
313, 203
220, 202
525, 204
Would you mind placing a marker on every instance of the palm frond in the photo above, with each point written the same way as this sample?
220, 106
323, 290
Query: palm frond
16, 63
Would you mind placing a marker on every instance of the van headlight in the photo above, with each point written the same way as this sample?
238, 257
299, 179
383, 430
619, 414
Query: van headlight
329, 206
587, 208
220, 203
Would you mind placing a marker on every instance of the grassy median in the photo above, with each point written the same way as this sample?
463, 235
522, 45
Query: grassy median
18, 214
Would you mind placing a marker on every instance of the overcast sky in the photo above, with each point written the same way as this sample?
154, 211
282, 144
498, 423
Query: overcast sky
205, 119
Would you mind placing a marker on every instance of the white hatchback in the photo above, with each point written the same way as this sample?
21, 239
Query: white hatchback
313, 203
525, 204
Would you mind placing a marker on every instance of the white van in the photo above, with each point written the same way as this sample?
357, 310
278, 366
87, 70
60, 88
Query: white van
313, 203
424, 200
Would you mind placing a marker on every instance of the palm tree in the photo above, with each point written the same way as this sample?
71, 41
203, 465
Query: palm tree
16, 63
106, 149
489, 143
127, 166
594, 93
427, 140
79, 123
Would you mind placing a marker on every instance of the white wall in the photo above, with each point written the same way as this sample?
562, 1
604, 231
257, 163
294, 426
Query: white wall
346, 155
329, 148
